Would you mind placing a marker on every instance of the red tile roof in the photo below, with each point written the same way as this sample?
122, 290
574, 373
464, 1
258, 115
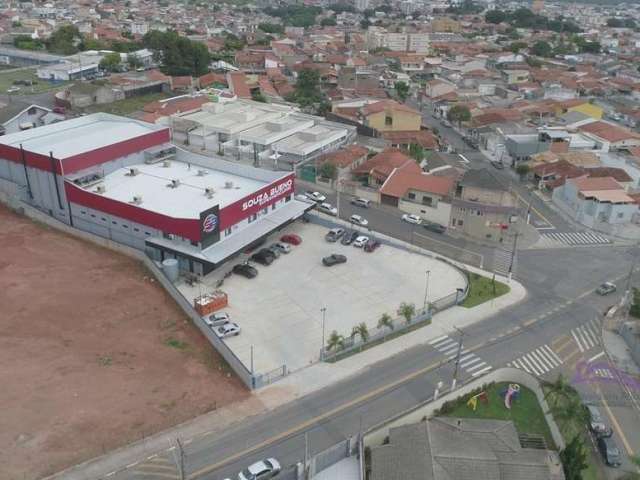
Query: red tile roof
238, 83
423, 138
592, 184
345, 156
617, 174
385, 162
400, 181
386, 104
609, 132
175, 105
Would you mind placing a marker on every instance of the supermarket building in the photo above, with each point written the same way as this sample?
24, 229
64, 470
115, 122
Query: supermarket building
123, 179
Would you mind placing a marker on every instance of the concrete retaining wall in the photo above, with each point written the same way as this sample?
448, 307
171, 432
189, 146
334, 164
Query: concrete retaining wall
376, 435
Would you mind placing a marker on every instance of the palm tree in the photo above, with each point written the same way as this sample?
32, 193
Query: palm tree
559, 389
407, 310
385, 321
335, 342
361, 329
574, 459
570, 411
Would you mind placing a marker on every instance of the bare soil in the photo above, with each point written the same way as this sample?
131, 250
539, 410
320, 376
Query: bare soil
94, 354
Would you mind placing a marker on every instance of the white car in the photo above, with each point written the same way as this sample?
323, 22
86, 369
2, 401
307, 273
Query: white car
13, 89
358, 220
227, 330
283, 247
361, 241
302, 197
316, 196
328, 209
260, 470
415, 219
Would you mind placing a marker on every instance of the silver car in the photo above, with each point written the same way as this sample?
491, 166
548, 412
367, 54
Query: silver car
260, 470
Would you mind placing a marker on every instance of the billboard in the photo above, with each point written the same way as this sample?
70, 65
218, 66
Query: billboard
209, 226
253, 203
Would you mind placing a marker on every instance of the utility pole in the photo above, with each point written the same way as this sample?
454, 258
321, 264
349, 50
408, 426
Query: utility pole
513, 254
180, 459
324, 311
455, 372
426, 290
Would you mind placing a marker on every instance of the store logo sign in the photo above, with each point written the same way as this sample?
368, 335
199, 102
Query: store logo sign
209, 223
266, 197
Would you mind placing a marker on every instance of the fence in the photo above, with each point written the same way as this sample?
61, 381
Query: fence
263, 379
332, 455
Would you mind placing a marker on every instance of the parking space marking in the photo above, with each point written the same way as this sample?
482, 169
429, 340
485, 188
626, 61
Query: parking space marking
595, 357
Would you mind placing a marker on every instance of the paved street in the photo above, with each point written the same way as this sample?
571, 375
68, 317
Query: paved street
541, 329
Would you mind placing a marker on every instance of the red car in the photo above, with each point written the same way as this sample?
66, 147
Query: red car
291, 238
371, 245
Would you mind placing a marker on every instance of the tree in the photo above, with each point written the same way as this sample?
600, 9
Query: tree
590, 47
328, 170
66, 40
570, 410
559, 389
362, 331
258, 97
179, 55
459, 114
365, 23
335, 341
307, 91
574, 459
232, 42
541, 49
402, 90
417, 152
515, 47
385, 321
328, 22
134, 61
271, 28
522, 169
25, 42
495, 16
407, 310
111, 62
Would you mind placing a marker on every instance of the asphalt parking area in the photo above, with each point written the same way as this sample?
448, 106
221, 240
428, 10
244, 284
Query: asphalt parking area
279, 311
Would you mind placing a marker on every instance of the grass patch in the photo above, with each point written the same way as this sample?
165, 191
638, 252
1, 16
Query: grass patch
175, 343
127, 106
570, 429
9, 76
482, 289
526, 413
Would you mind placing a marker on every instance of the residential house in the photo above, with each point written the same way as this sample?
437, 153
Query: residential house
404, 139
437, 88
597, 203
389, 115
482, 207
580, 105
375, 171
512, 77
18, 116
610, 136
345, 160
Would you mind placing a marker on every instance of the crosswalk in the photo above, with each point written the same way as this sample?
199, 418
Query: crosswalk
555, 239
537, 362
469, 362
603, 373
587, 336
502, 261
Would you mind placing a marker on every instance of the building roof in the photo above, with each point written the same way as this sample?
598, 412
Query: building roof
481, 178
310, 140
609, 132
423, 138
594, 184
402, 180
344, 157
386, 162
617, 174
238, 83
11, 110
79, 135
381, 106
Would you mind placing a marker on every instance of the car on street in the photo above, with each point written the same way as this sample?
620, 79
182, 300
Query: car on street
328, 209
360, 202
361, 241
274, 250
358, 220
334, 234
334, 259
302, 197
260, 470
291, 238
597, 424
349, 237
609, 451
316, 196
13, 89
263, 258
283, 247
434, 227
246, 270
497, 164
606, 288
229, 329
410, 218
446, 123
371, 245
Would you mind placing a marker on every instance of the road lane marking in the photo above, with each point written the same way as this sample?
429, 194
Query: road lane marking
577, 341
552, 353
525, 359
571, 355
480, 372
437, 340
595, 357
561, 346
614, 420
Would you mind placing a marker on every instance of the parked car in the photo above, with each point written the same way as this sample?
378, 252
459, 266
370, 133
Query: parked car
274, 250
349, 237
13, 89
334, 259
302, 197
371, 245
245, 270
283, 247
360, 202
229, 329
328, 209
434, 227
606, 288
217, 319
260, 470
609, 451
361, 241
334, 234
358, 220
497, 164
263, 258
291, 238
316, 196
446, 123
597, 424
415, 219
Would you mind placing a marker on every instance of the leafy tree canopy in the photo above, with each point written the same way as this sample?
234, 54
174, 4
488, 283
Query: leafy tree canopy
179, 55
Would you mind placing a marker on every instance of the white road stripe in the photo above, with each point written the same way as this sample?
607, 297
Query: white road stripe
455, 354
480, 372
588, 333
437, 340
585, 340
520, 364
595, 357
577, 341
471, 362
553, 354
442, 344
475, 367
466, 357
552, 361
526, 360
542, 362
448, 350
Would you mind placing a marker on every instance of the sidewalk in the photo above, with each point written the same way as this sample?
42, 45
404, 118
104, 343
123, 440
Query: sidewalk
298, 384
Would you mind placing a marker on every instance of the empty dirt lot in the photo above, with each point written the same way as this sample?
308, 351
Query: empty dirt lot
93, 353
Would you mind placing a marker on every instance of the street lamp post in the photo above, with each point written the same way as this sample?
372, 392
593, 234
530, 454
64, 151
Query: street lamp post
323, 310
426, 290
455, 371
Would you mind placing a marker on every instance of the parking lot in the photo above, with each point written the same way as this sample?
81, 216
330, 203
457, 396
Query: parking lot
279, 311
